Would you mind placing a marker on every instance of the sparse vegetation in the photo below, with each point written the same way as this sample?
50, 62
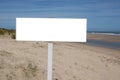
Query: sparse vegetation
30, 70
9, 77
13, 35
2, 31
9, 32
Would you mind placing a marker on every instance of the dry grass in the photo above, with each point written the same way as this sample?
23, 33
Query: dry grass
9, 32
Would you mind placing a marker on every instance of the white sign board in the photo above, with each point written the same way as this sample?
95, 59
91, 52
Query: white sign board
51, 29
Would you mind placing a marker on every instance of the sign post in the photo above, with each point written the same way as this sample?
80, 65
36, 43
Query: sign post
50, 54
51, 29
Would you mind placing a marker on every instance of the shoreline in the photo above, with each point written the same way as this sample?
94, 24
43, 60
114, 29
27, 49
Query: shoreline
104, 43
103, 37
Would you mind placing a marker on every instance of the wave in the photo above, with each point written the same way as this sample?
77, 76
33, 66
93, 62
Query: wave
116, 34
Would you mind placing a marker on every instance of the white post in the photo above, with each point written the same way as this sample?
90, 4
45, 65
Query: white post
50, 54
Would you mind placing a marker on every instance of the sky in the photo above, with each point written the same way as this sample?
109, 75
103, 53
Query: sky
102, 15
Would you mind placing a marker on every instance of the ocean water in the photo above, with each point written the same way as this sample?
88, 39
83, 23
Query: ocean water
107, 44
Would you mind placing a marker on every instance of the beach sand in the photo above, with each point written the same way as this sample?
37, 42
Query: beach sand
71, 61
114, 38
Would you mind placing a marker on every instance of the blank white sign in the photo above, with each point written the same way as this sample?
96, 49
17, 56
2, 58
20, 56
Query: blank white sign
51, 29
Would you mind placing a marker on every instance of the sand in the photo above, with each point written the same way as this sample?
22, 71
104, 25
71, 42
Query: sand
114, 38
83, 62
71, 61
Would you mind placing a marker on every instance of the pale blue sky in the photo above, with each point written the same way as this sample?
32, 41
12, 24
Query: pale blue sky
102, 15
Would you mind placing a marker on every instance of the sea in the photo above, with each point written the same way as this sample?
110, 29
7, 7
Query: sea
106, 44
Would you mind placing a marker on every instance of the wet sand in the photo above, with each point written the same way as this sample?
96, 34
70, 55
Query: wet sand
114, 38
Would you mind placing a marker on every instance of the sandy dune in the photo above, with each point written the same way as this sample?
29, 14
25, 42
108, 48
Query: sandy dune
74, 61
71, 61
22, 60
